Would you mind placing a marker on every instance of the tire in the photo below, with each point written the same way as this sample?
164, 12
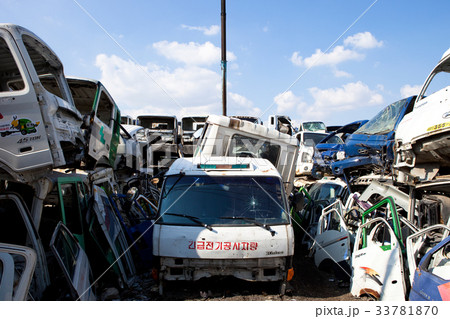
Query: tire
24, 132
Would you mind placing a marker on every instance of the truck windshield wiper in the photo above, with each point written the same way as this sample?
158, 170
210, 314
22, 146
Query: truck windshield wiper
251, 220
192, 218
176, 182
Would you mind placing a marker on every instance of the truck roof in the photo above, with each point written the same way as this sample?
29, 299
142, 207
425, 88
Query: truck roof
251, 128
223, 166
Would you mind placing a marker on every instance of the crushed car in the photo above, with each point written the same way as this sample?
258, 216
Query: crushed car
164, 138
370, 149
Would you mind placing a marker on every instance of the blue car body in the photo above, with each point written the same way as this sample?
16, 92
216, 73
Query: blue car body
137, 223
432, 277
370, 148
334, 142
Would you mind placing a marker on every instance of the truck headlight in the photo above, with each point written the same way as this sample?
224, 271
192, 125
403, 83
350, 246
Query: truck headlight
340, 155
306, 157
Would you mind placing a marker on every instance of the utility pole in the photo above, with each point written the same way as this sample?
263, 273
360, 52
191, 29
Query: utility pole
224, 60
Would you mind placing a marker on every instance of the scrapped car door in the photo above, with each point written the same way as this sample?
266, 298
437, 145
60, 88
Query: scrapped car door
332, 240
17, 264
74, 263
17, 228
419, 243
377, 262
118, 253
432, 277
105, 128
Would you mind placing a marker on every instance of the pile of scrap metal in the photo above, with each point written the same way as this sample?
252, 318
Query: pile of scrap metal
61, 158
391, 231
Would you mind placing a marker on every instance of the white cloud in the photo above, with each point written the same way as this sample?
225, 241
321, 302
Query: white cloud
189, 90
212, 30
363, 40
341, 74
338, 55
349, 96
288, 102
328, 102
408, 90
191, 53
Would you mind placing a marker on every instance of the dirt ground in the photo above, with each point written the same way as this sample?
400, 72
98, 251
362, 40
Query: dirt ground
308, 284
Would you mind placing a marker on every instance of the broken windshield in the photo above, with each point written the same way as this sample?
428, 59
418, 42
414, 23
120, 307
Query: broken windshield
245, 199
384, 122
314, 126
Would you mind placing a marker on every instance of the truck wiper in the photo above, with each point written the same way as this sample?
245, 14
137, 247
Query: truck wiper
192, 218
251, 220
176, 182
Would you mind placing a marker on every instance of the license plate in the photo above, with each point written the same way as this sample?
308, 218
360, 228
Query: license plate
438, 126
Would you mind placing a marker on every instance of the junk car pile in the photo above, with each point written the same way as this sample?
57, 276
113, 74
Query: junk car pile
90, 197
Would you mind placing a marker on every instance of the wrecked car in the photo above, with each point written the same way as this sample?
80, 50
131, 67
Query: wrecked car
190, 124
331, 148
422, 139
305, 160
370, 148
227, 216
432, 276
317, 197
313, 126
39, 129
137, 216
164, 138
281, 123
101, 120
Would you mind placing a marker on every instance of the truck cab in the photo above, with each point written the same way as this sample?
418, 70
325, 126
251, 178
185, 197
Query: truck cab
224, 136
422, 138
226, 216
39, 128
164, 138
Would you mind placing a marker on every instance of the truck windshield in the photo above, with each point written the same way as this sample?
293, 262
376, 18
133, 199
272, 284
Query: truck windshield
211, 198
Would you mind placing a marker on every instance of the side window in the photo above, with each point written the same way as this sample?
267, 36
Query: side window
67, 250
10, 77
250, 147
70, 201
440, 263
105, 109
47, 66
12, 226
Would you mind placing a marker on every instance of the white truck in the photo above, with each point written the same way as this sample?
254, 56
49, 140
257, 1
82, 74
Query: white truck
282, 123
422, 138
227, 216
39, 129
224, 136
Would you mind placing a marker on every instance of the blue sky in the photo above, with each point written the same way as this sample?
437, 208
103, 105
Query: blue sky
292, 57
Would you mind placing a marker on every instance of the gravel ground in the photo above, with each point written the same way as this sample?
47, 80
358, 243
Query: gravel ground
308, 284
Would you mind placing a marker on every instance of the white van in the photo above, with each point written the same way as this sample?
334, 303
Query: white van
227, 217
